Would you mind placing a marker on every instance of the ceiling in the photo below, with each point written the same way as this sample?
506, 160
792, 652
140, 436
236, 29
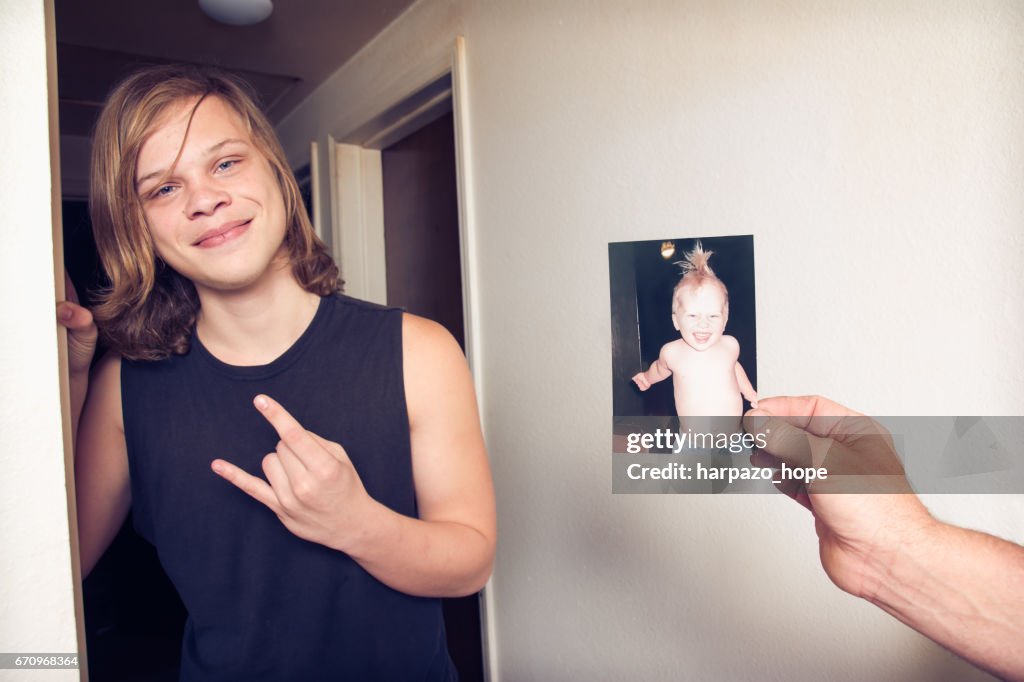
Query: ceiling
285, 57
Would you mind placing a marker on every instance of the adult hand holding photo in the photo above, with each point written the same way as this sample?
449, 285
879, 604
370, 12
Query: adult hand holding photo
855, 525
961, 588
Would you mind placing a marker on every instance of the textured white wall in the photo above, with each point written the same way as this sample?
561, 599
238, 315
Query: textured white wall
876, 152
36, 596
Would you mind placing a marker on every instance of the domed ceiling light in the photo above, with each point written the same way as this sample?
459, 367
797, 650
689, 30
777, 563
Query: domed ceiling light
237, 12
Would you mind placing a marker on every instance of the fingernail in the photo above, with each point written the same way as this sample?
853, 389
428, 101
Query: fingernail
66, 313
217, 467
261, 402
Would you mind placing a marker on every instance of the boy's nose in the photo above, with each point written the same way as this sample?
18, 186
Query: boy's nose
204, 200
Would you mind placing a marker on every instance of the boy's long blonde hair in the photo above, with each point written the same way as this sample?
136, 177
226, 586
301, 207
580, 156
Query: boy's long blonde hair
149, 310
696, 273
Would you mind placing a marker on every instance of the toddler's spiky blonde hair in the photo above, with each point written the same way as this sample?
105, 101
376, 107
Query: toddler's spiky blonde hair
696, 273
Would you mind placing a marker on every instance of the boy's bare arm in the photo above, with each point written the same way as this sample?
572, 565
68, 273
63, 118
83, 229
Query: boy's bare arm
746, 388
102, 490
449, 550
658, 371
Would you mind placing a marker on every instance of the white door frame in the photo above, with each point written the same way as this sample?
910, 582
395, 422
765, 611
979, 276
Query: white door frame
40, 586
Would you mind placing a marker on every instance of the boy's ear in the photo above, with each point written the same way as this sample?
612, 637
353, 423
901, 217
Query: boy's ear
675, 322
725, 315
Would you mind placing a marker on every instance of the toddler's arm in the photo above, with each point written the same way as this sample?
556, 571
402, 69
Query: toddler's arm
745, 386
656, 372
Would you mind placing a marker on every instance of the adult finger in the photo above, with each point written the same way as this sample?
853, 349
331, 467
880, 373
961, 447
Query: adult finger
804, 498
858, 455
791, 488
814, 414
780, 439
806, 405
762, 460
254, 487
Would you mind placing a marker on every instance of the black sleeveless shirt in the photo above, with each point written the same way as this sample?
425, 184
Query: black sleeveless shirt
264, 604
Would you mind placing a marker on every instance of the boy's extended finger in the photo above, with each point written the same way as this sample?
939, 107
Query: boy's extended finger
256, 488
287, 427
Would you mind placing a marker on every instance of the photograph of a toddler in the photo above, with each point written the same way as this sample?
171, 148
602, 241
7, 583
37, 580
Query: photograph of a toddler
682, 309
707, 377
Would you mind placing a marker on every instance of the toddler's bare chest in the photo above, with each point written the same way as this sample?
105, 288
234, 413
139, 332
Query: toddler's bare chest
710, 365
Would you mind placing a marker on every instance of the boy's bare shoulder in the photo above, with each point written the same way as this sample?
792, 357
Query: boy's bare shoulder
730, 347
673, 349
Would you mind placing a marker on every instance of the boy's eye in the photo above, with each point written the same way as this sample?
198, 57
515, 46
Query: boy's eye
162, 191
226, 165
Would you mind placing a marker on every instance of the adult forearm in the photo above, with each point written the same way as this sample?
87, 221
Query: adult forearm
422, 558
961, 588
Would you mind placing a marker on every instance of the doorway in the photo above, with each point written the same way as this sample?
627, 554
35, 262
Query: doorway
421, 226
424, 276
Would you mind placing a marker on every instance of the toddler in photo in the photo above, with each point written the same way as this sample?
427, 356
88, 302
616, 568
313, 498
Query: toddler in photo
707, 377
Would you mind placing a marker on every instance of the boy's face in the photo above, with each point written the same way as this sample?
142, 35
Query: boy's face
217, 216
700, 315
